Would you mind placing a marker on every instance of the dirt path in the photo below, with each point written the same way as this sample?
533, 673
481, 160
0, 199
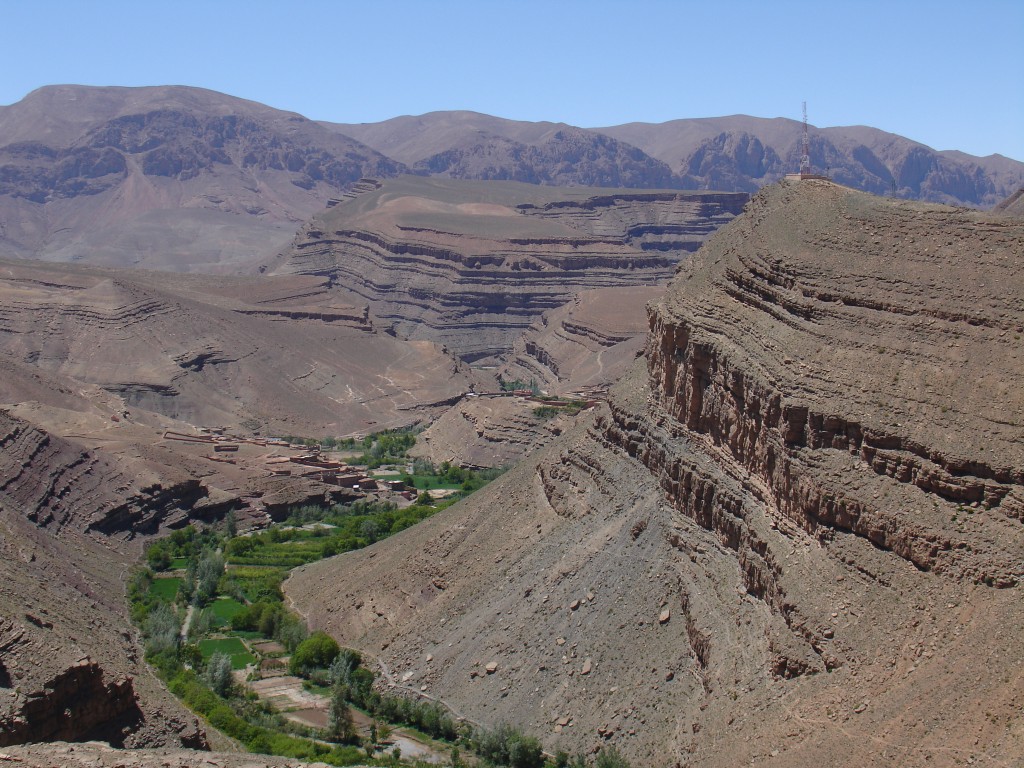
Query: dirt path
187, 622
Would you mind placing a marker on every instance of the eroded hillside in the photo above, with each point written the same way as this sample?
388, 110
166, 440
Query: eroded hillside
472, 265
285, 355
70, 668
791, 536
174, 178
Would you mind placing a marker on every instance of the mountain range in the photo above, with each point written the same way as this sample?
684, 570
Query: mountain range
187, 179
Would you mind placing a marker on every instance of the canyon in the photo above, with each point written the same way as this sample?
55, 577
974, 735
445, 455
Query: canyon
780, 525
788, 537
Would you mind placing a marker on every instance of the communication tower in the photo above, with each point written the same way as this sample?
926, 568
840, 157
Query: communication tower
805, 158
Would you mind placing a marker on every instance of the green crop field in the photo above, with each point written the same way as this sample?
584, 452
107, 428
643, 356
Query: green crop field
286, 554
179, 562
232, 646
166, 588
224, 608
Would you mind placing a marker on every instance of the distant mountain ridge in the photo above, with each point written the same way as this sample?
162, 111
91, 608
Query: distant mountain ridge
735, 153
187, 179
164, 177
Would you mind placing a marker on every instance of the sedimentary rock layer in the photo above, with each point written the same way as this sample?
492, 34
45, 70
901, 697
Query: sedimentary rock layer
792, 537
69, 664
586, 344
287, 355
471, 265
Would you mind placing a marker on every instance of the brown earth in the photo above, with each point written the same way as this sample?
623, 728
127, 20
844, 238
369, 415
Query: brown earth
174, 178
186, 179
1014, 204
70, 667
792, 537
286, 355
488, 432
585, 345
471, 265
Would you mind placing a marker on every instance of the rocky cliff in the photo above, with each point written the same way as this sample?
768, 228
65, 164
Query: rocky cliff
70, 667
585, 345
792, 537
470, 265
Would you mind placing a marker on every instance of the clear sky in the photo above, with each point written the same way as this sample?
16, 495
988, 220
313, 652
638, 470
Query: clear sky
948, 74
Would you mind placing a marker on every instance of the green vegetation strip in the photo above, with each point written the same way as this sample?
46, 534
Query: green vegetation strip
235, 582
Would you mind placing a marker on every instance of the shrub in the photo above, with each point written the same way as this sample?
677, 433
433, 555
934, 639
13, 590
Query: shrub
610, 758
163, 630
317, 650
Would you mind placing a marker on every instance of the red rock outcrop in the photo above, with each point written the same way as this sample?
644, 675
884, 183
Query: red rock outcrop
69, 664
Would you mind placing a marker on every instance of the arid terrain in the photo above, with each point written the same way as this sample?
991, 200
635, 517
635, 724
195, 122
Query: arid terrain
766, 493
186, 179
470, 265
789, 538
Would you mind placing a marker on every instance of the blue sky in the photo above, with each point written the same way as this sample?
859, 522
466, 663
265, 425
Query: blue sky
948, 74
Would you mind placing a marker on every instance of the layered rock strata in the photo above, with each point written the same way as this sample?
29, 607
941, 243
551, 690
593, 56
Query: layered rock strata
585, 345
471, 265
70, 667
287, 355
792, 537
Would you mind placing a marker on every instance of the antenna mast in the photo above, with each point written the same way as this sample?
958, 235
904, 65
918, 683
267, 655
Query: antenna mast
805, 159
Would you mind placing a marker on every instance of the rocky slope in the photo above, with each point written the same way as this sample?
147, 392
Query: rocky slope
1014, 204
470, 265
166, 177
287, 355
585, 345
186, 179
70, 668
489, 431
742, 152
792, 536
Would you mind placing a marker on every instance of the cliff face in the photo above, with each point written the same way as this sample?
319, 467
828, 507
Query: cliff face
791, 537
69, 667
471, 265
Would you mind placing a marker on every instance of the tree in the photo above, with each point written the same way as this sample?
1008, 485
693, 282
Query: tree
317, 650
218, 674
425, 499
341, 727
163, 630
208, 573
158, 556
230, 524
